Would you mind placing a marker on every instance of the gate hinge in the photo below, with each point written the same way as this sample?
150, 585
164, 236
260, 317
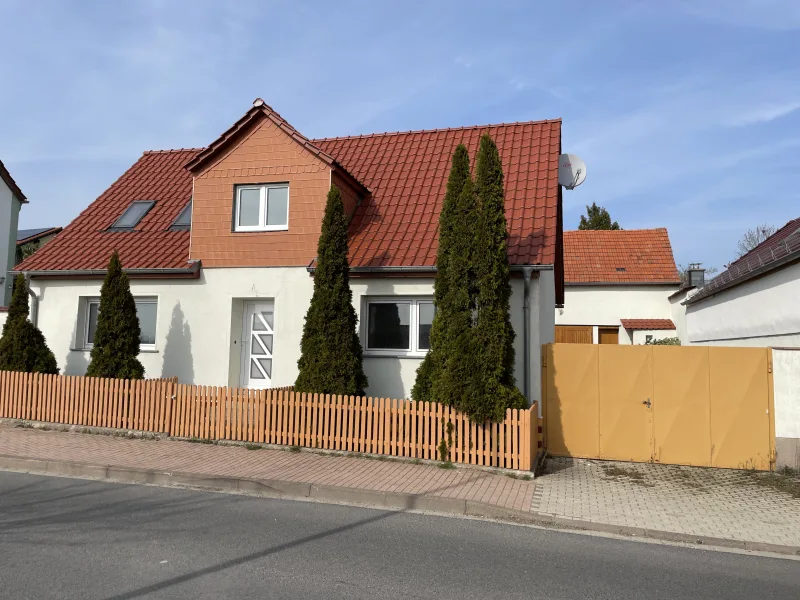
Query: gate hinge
769, 366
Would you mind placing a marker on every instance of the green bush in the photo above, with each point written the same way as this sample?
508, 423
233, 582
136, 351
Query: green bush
331, 360
456, 232
670, 341
22, 346
116, 340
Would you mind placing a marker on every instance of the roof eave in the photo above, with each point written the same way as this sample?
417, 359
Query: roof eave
190, 272
12, 185
38, 236
773, 266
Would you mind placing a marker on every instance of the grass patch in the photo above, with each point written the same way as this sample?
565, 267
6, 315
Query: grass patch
786, 480
195, 440
517, 476
24, 425
446, 465
294, 449
615, 471
416, 461
252, 447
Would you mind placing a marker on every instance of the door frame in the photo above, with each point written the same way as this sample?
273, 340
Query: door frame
248, 309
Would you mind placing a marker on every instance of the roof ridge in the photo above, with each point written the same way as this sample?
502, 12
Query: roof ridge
437, 130
616, 230
168, 150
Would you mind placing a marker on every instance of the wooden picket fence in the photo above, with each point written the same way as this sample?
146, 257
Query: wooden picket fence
346, 423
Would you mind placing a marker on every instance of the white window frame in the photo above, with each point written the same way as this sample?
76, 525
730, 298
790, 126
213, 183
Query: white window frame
414, 301
96, 301
262, 207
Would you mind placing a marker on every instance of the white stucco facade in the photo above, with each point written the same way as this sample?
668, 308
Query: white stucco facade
760, 312
9, 217
199, 331
199, 322
786, 381
394, 376
606, 305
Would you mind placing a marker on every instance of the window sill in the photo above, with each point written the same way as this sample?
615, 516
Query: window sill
391, 354
141, 351
262, 230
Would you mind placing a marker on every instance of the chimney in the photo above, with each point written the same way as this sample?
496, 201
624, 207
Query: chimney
696, 275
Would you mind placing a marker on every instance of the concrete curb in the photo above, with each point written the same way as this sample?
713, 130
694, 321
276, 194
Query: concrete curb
291, 490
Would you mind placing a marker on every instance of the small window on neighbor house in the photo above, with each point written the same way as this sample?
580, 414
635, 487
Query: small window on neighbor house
132, 215
184, 220
146, 310
261, 208
648, 339
401, 326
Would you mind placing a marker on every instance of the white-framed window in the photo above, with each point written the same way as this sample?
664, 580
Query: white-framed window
261, 207
397, 326
146, 310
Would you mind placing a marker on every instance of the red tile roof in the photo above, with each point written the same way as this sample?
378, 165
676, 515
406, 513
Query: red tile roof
86, 244
12, 185
407, 175
621, 256
397, 225
647, 324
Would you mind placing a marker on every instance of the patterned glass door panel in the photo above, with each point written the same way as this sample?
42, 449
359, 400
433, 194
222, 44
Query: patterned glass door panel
260, 323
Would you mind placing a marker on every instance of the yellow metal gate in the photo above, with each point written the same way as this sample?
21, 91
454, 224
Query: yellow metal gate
695, 405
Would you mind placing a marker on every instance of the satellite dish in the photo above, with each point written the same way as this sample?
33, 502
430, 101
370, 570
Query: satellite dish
571, 171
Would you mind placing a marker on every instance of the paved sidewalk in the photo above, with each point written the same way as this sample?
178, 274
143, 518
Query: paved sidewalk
475, 485
715, 506
719, 503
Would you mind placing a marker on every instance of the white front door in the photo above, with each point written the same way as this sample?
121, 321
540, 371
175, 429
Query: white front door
258, 337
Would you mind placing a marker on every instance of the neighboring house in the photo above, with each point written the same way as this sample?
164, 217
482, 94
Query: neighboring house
11, 201
618, 286
219, 244
31, 240
755, 301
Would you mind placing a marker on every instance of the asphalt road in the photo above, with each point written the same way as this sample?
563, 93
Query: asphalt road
73, 538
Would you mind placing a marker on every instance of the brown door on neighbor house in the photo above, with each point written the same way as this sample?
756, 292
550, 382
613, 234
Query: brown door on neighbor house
608, 335
573, 334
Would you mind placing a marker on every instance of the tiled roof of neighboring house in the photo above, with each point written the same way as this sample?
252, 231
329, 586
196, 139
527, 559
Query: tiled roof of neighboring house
647, 324
407, 175
87, 244
12, 185
25, 236
781, 248
620, 256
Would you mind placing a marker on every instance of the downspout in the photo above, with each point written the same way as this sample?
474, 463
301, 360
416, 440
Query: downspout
526, 331
34, 301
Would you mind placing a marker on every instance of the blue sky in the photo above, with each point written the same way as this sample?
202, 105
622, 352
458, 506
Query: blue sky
687, 113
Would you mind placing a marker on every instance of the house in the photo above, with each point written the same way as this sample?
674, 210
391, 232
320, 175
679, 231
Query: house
31, 240
219, 244
618, 286
754, 302
11, 201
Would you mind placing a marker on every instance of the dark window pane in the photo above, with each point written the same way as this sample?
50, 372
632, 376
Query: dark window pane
94, 308
249, 207
185, 218
146, 311
277, 206
389, 326
426, 312
134, 213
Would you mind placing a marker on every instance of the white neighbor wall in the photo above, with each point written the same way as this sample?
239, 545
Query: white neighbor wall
760, 312
786, 379
606, 305
199, 324
394, 376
